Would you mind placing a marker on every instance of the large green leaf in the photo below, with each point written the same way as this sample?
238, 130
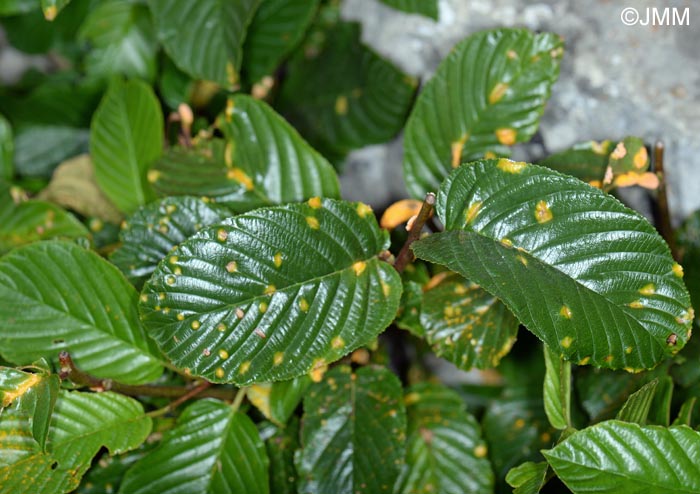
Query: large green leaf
278, 26
527, 478
557, 390
487, 94
428, 8
39, 148
587, 275
444, 451
466, 325
274, 293
7, 150
341, 95
263, 162
58, 296
213, 449
82, 424
586, 161
353, 433
277, 401
623, 458
204, 38
126, 137
28, 221
122, 40
150, 233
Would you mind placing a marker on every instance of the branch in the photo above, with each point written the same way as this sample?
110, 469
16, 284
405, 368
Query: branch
406, 255
663, 216
181, 393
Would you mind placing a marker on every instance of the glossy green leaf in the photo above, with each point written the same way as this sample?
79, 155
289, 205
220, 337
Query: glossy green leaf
51, 8
572, 263
122, 40
278, 26
7, 150
623, 458
557, 390
527, 478
264, 162
408, 317
466, 325
685, 414
58, 296
281, 443
82, 424
213, 449
39, 148
152, 231
586, 161
444, 451
204, 38
341, 95
353, 433
636, 408
428, 8
274, 293
487, 94
277, 401
126, 137
28, 221
660, 408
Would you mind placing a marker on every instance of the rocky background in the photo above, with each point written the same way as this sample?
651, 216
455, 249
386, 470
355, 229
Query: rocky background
616, 80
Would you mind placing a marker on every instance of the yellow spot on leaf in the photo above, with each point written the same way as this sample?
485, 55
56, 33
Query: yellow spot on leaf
337, 343
497, 92
221, 235
180, 316
596, 183
609, 359
628, 350
219, 373
509, 166
312, 222
221, 327
232, 267
143, 297
341, 105
231, 74
677, 270
244, 368
506, 136
565, 312
511, 54
363, 210
303, 305
262, 307
170, 279
223, 354
195, 325
239, 313
519, 423
641, 158
522, 259
506, 242
566, 342
637, 304
229, 109
50, 12
542, 212
153, 176
318, 369
11, 395
177, 270
386, 289
359, 267
480, 451
584, 360
278, 358
489, 155
270, 289
241, 177
278, 259
472, 211
619, 152
315, 202
649, 289
456, 149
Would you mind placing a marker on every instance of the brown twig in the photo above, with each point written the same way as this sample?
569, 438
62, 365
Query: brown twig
663, 215
405, 254
181, 393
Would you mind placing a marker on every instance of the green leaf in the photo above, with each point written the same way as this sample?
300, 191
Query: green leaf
588, 276
73, 186
57, 296
688, 239
281, 443
7, 150
51, 8
636, 408
527, 478
174, 86
212, 449
277, 28
126, 137
152, 231
29, 221
341, 95
274, 293
428, 8
444, 451
487, 94
685, 414
557, 390
82, 424
352, 433
619, 457
204, 38
466, 325
660, 409
46, 394
122, 40
277, 401
13, 7
586, 161
408, 317
39, 148
107, 472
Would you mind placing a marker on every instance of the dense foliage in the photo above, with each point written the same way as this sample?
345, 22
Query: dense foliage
188, 305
